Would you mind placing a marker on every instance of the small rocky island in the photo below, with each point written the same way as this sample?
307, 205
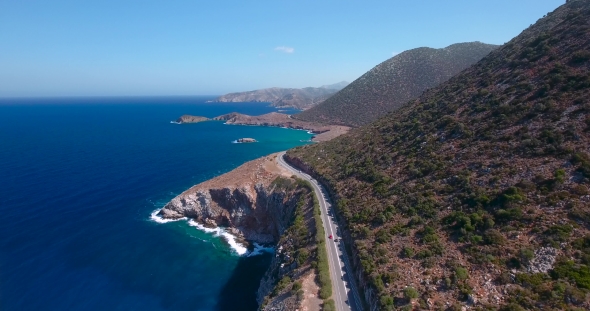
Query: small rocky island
246, 140
190, 119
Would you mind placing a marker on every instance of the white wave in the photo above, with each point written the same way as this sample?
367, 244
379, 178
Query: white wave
235, 141
260, 249
174, 122
159, 219
231, 239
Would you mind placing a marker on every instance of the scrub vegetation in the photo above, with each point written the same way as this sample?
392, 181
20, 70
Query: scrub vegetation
476, 193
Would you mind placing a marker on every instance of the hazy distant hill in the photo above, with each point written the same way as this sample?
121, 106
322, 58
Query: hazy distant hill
478, 192
394, 82
286, 97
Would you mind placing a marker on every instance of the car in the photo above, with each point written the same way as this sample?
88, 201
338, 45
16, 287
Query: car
330, 237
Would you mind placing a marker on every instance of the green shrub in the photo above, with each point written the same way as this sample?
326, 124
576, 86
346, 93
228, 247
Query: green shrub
408, 252
493, 237
329, 305
461, 273
296, 286
580, 274
411, 293
300, 295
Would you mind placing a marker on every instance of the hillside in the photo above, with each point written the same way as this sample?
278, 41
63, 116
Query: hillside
285, 97
394, 82
476, 193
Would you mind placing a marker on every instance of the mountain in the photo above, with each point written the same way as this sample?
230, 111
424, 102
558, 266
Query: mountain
394, 82
336, 86
285, 97
477, 192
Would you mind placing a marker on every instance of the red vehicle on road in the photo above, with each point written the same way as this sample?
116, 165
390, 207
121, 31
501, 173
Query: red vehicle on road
330, 237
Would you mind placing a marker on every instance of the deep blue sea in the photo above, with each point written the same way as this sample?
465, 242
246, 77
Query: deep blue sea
79, 179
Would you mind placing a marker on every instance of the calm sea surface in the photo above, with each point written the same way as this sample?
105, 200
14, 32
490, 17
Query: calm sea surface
79, 179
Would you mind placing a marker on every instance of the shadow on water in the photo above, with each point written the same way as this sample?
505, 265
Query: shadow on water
239, 293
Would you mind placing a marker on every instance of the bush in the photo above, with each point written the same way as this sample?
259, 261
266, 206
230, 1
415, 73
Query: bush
411, 293
580, 274
408, 252
493, 237
329, 305
296, 286
461, 273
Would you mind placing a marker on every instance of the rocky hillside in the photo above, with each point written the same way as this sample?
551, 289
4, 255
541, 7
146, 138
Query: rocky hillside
476, 194
394, 82
285, 97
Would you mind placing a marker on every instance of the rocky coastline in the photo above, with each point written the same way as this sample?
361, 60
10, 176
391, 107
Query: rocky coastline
256, 203
322, 132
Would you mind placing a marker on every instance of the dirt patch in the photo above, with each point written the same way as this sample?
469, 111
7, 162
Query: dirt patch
311, 301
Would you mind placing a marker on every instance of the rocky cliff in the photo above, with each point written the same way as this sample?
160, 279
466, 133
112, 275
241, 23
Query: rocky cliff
260, 202
243, 200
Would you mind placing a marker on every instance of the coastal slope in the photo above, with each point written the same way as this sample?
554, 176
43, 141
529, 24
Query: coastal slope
261, 202
394, 82
476, 194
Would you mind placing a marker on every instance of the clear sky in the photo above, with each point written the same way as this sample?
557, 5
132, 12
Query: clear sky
191, 47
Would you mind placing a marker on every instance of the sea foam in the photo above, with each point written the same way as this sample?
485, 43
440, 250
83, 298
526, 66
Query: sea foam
159, 219
220, 232
217, 231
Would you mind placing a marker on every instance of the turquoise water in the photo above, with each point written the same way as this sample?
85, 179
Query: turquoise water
79, 180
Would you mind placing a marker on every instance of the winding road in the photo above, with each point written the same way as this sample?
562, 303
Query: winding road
344, 291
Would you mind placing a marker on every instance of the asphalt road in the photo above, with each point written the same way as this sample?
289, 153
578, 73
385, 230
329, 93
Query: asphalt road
344, 291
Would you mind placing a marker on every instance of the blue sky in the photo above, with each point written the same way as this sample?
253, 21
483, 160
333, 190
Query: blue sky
184, 47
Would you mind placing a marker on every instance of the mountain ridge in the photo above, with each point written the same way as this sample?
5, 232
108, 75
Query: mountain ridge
302, 98
394, 82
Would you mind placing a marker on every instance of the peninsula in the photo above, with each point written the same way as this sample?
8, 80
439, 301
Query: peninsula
190, 119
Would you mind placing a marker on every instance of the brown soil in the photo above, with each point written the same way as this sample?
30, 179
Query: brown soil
311, 301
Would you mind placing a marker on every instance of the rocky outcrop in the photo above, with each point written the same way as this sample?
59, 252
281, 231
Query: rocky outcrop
246, 140
243, 200
191, 119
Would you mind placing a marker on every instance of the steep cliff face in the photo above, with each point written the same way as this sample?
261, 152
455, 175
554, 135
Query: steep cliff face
244, 200
258, 214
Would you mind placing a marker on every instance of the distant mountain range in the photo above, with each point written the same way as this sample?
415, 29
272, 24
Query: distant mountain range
394, 82
286, 97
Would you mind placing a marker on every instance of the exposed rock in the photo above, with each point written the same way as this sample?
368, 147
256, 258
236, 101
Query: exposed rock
246, 140
543, 260
243, 199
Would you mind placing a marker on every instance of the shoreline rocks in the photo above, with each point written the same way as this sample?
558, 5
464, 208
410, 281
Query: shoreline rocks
246, 140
